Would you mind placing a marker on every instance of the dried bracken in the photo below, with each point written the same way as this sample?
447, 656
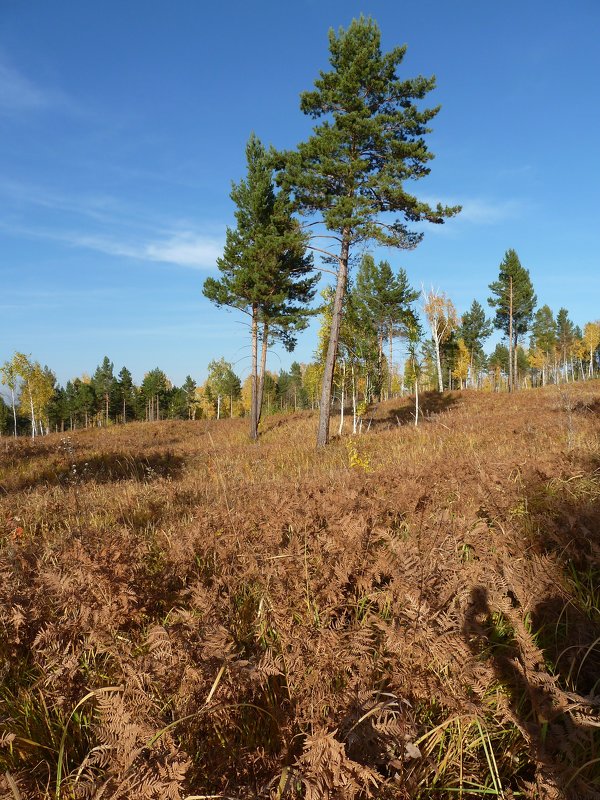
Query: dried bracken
183, 613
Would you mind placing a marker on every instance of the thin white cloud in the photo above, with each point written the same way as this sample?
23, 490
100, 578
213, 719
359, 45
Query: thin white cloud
480, 211
182, 248
18, 93
185, 249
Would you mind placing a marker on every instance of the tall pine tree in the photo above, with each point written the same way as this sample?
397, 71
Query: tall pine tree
349, 177
514, 301
265, 271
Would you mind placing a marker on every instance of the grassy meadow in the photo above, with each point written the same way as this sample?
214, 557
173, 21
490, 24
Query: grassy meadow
410, 613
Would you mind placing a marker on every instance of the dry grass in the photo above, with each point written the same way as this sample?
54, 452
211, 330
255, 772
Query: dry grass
412, 613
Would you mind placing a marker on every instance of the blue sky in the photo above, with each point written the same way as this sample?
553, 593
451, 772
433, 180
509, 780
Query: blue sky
122, 125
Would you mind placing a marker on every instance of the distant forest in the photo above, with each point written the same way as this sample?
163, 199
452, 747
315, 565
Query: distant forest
539, 348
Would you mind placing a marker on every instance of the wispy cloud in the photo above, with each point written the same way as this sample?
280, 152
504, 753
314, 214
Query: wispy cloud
184, 248
18, 93
481, 211
102, 208
187, 249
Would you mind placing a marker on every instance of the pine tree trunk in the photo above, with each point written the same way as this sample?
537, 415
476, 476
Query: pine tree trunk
254, 389
334, 335
390, 368
263, 369
510, 336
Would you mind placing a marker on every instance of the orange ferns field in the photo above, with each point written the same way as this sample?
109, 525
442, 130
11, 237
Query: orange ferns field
410, 613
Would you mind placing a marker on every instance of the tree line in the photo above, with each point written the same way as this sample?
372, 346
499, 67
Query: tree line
36, 404
444, 350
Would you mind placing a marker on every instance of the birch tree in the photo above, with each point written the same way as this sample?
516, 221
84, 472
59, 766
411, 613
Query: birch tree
443, 319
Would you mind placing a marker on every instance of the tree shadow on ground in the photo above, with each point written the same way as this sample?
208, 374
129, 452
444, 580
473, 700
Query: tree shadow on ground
391, 415
551, 667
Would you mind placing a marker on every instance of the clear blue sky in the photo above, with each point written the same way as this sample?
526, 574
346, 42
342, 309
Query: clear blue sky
122, 125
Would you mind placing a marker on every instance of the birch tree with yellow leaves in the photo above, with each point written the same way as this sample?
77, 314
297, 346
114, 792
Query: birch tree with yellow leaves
443, 319
591, 338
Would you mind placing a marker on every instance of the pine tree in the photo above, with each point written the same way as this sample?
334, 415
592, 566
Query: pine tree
499, 362
4, 416
264, 268
103, 381
349, 176
543, 340
565, 336
514, 301
474, 329
386, 299
126, 391
153, 393
189, 388
10, 378
86, 399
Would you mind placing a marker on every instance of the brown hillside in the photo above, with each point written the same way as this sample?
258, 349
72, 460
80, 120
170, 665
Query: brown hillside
414, 612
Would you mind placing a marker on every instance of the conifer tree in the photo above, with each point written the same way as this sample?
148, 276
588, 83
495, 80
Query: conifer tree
499, 362
126, 390
474, 329
153, 392
189, 388
386, 299
565, 336
10, 378
349, 177
514, 301
264, 268
85, 399
543, 340
104, 383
